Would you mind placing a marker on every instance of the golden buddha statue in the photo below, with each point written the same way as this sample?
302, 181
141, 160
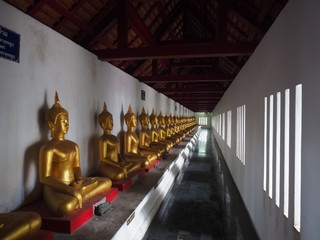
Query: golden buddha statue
175, 128
131, 143
111, 163
145, 137
59, 167
155, 134
169, 129
19, 225
162, 131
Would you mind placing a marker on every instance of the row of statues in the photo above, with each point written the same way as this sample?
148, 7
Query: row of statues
65, 188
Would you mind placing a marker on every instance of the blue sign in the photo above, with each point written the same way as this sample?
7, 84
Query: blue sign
143, 95
9, 44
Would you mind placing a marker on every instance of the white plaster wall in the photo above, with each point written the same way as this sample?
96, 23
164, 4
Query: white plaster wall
288, 55
49, 62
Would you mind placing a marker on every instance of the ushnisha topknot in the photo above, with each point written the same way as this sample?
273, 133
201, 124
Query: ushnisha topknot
153, 116
104, 114
55, 110
128, 116
143, 115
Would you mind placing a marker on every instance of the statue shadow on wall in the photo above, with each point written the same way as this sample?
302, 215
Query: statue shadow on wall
120, 135
31, 159
93, 150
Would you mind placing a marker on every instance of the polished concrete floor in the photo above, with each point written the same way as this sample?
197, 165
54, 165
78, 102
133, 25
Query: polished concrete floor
204, 202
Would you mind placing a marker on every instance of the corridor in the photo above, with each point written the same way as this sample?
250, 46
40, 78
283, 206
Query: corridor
204, 203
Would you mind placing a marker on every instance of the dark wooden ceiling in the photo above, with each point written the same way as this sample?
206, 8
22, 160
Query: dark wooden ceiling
189, 50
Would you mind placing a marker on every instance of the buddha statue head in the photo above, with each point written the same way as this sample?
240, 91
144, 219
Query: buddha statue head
57, 118
130, 119
161, 119
153, 119
144, 119
105, 120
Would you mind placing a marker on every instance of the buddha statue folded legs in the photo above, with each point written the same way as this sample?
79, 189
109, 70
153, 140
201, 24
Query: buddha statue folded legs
65, 188
111, 163
131, 143
19, 225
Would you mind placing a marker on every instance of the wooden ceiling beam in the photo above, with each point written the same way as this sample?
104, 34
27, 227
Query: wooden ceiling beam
189, 78
265, 8
192, 90
250, 21
35, 8
71, 17
195, 96
139, 26
177, 51
123, 23
60, 24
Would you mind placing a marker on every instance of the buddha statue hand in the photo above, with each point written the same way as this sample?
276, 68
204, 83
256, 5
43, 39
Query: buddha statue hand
77, 183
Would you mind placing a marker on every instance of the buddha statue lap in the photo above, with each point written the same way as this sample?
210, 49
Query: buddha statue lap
145, 137
65, 188
111, 163
131, 143
19, 225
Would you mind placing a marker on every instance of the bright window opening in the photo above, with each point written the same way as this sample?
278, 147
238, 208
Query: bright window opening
240, 148
229, 121
286, 152
265, 144
271, 147
297, 157
223, 125
278, 145
203, 121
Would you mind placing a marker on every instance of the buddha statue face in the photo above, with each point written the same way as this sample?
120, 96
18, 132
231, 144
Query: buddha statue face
144, 119
130, 119
61, 125
106, 119
145, 122
57, 119
108, 124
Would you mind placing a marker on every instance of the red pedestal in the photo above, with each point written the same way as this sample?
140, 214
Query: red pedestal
74, 220
43, 235
124, 184
148, 169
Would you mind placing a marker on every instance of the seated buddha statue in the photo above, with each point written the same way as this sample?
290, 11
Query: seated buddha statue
162, 131
65, 188
175, 128
111, 163
145, 137
155, 134
19, 225
170, 133
131, 143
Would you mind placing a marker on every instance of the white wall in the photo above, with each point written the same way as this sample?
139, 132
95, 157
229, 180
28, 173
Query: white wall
288, 55
49, 62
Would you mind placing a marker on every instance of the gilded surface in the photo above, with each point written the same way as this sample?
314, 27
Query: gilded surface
59, 168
